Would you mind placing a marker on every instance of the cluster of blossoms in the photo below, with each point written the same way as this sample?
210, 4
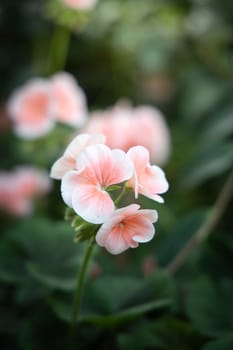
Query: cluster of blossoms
36, 106
80, 4
125, 127
90, 171
19, 187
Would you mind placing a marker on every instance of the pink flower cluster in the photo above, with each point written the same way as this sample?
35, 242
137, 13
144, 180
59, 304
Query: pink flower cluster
18, 188
125, 127
80, 4
89, 170
35, 107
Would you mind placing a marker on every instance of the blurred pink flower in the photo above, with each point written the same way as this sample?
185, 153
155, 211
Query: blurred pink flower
31, 182
68, 100
125, 127
37, 105
84, 190
19, 187
152, 132
68, 160
80, 4
126, 228
149, 265
30, 109
149, 180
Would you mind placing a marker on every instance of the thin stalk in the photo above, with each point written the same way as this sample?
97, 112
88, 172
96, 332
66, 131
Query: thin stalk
122, 193
205, 230
79, 287
59, 49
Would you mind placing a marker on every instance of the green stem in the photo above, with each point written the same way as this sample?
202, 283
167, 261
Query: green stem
59, 49
79, 287
122, 193
205, 230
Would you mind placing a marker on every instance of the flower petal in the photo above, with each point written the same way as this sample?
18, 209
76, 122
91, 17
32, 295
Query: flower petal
92, 204
126, 228
69, 182
109, 166
61, 167
81, 141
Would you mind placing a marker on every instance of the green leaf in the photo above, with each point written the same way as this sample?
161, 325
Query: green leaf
207, 163
64, 312
201, 94
165, 333
49, 254
12, 269
223, 343
127, 315
108, 296
220, 126
210, 307
105, 301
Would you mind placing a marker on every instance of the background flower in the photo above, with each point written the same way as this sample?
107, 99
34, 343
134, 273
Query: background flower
80, 4
19, 187
68, 100
125, 127
30, 109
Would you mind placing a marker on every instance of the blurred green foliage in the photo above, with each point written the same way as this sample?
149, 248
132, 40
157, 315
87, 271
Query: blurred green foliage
178, 56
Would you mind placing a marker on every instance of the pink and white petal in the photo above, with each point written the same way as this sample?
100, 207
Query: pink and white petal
133, 183
145, 232
115, 243
93, 157
29, 131
92, 204
139, 228
121, 167
140, 157
151, 195
126, 211
68, 185
152, 182
81, 141
61, 167
161, 181
110, 166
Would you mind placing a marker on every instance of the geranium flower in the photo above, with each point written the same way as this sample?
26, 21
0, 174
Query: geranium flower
30, 109
84, 190
19, 187
126, 228
149, 180
152, 133
80, 4
126, 127
68, 160
68, 100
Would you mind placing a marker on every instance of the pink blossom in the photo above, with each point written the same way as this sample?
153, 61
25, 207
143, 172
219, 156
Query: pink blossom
68, 160
30, 109
84, 190
149, 180
126, 228
152, 132
80, 4
68, 100
19, 187
126, 127
31, 182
